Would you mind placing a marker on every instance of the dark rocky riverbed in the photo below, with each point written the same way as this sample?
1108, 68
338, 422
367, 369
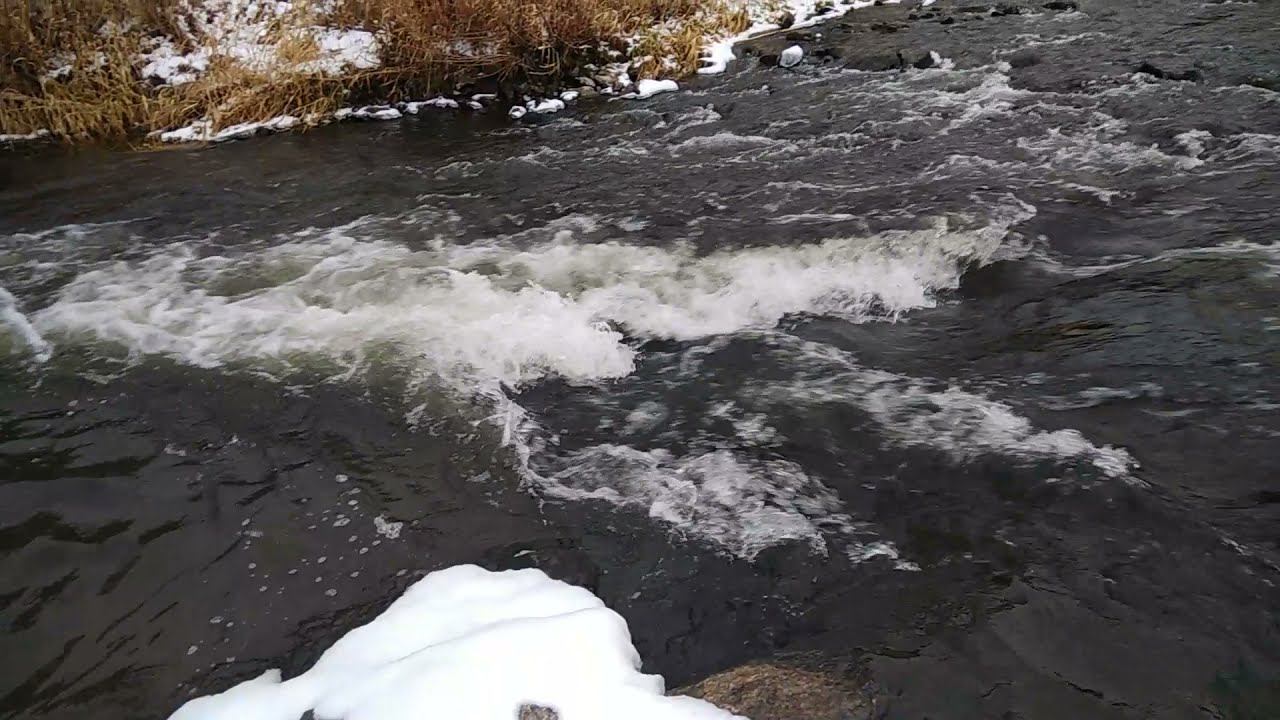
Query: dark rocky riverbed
955, 385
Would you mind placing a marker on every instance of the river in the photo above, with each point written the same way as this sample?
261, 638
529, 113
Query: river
963, 378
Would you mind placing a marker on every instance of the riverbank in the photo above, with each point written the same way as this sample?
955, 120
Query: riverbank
205, 70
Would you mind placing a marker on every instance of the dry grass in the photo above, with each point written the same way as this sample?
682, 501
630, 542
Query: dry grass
426, 46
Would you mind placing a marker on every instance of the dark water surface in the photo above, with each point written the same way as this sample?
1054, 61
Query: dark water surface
964, 378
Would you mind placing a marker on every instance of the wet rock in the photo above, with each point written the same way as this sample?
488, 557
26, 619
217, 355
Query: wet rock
885, 28
1007, 9
948, 20
529, 711
1024, 58
1061, 5
879, 62
1271, 82
801, 36
785, 20
769, 691
824, 7
926, 61
1183, 75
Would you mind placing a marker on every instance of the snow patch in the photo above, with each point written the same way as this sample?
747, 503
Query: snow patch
469, 643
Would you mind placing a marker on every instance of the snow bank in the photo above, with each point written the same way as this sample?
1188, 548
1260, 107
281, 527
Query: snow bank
467, 643
248, 33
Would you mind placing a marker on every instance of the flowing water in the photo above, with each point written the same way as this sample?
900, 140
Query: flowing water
964, 377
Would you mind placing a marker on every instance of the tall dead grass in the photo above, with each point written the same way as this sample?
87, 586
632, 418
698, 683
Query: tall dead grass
426, 46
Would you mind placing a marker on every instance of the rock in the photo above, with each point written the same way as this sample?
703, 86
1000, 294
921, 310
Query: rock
930, 59
1188, 75
1271, 83
885, 28
785, 20
770, 691
948, 20
529, 711
823, 7
586, 82
801, 36
1006, 9
1061, 5
791, 56
769, 59
1023, 58
875, 63
585, 92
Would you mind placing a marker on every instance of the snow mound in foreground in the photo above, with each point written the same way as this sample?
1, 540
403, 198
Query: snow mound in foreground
469, 643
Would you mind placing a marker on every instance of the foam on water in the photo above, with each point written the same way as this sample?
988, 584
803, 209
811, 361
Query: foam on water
12, 321
912, 412
510, 311
742, 504
480, 315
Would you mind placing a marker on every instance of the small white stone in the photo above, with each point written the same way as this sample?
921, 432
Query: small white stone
791, 56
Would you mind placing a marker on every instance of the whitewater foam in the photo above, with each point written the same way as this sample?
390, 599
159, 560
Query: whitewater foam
18, 324
741, 504
479, 319
912, 412
492, 313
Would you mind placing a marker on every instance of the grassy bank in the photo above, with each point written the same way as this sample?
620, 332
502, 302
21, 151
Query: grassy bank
115, 69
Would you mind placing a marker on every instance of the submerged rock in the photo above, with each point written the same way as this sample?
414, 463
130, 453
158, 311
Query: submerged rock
769, 691
1186, 75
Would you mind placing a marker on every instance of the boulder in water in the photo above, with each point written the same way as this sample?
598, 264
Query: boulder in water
1186, 75
772, 691
791, 56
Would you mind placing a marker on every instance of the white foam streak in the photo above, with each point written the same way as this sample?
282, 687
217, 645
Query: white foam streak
739, 504
12, 318
965, 425
489, 313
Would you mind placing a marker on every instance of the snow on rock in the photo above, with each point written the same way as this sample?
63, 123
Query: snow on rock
368, 112
549, 105
791, 56
469, 643
202, 130
648, 88
413, 108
